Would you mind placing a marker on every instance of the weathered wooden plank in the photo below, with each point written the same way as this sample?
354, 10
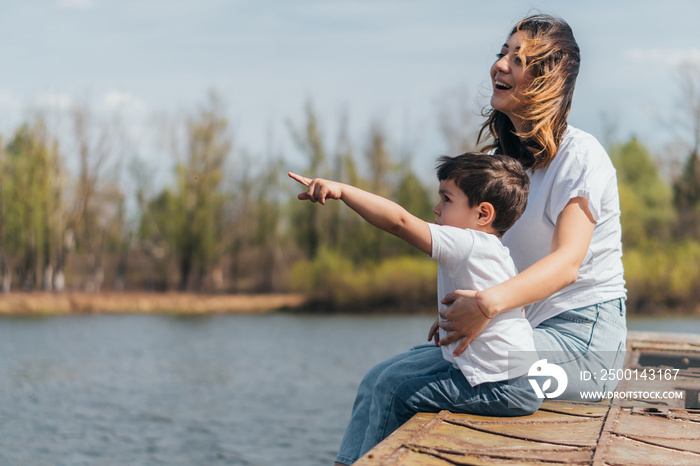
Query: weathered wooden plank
495, 458
408, 432
651, 426
550, 412
582, 433
599, 409
450, 437
581, 456
626, 451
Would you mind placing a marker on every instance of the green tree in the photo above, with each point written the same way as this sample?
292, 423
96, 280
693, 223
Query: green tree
414, 197
185, 223
344, 169
268, 213
158, 231
686, 186
28, 203
686, 197
239, 211
374, 243
5, 277
645, 199
309, 221
199, 200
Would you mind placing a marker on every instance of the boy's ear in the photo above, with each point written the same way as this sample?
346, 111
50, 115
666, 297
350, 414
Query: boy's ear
487, 213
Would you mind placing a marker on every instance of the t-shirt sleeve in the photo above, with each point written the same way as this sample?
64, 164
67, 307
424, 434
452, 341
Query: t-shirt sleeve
450, 244
581, 174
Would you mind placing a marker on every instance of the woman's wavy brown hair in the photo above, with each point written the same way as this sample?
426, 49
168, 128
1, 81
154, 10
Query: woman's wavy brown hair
550, 54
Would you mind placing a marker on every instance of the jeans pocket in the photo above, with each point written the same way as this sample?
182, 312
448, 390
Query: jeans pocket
615, 312
578, 325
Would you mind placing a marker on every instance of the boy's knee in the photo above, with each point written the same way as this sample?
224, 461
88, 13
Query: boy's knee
531, 406
401, 396
524, 405
409, 400
389, 381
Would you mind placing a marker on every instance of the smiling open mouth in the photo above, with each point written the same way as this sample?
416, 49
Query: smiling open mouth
502, 86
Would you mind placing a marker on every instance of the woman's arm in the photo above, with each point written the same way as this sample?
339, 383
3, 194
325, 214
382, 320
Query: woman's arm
572, 237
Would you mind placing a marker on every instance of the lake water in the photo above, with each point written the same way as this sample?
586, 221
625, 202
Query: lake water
220, 390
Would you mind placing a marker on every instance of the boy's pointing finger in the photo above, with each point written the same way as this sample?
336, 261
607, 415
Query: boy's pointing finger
301, 179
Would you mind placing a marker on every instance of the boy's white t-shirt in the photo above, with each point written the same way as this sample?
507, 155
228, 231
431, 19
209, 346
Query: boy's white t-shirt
473, 260
581, 168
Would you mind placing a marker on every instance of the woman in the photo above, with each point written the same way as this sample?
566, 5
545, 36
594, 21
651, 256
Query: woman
566, 244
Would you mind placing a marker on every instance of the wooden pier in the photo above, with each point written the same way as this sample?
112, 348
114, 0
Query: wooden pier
617, 431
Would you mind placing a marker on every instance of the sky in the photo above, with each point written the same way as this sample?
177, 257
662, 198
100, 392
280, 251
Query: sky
394, 62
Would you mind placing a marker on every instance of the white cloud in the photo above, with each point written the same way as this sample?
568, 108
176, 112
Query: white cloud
75, 4
55, 101
126, 111
123, 102
9, 100
669, 57
10, 109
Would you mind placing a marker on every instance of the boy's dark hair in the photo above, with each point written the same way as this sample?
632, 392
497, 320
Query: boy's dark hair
497, 179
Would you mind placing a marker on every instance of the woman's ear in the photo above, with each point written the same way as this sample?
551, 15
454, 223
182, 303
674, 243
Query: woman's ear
487, 214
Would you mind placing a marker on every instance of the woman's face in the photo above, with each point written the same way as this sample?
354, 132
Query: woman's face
509, 80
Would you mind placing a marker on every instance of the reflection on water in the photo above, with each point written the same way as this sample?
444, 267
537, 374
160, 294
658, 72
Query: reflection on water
672, 324
240, 390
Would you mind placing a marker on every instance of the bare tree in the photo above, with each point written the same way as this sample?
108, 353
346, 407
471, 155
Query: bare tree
189, 217
5, 275
96, 193
457, 122
310, 140
378, 156
686, 186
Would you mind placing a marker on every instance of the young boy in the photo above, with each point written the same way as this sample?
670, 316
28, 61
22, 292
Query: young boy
481, 197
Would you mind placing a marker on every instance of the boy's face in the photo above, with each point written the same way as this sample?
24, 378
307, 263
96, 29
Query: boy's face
453, 208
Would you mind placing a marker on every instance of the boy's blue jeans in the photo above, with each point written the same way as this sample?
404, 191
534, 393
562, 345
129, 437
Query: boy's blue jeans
420, 380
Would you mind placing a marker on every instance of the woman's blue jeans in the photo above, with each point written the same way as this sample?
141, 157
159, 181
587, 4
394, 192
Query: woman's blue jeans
420, 380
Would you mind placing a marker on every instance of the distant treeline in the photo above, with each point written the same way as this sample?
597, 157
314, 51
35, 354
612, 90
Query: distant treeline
229, 222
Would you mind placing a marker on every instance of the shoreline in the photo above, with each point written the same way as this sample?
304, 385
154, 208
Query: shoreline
142, 302
40, 303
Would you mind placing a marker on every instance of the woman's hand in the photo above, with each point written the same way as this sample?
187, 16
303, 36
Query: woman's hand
463, 319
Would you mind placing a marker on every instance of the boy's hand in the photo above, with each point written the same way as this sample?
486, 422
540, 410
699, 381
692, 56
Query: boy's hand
433, 333
319, 189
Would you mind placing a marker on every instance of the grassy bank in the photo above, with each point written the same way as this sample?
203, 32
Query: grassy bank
173, 303
143, 303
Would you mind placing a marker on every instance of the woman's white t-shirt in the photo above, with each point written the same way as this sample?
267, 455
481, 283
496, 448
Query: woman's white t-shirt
581, 168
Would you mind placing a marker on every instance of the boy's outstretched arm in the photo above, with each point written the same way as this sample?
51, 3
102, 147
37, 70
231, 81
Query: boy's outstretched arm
380, 212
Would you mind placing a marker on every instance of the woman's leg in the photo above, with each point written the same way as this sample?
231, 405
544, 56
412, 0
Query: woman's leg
588, 339
376, 392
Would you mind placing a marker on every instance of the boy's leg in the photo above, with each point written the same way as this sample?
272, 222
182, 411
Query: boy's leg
449, 390
354, 435
376, 392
